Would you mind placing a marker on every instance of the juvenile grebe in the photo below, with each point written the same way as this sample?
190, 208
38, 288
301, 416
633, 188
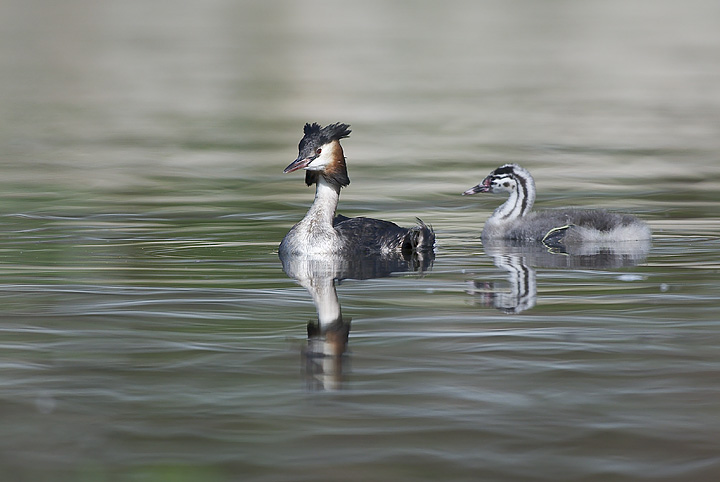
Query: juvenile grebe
320, 231
513, 221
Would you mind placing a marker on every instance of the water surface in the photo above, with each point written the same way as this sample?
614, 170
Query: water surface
150, 332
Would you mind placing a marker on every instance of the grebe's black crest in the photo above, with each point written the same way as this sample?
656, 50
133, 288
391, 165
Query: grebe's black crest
316, 136
328, 133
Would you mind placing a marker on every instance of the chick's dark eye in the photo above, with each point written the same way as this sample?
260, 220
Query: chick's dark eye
318, 150
506, 184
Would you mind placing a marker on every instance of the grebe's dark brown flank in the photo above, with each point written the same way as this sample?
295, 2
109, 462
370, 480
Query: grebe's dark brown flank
514, 221
320, 231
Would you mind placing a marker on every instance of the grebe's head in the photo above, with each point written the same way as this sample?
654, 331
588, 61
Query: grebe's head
320, 154
503, 179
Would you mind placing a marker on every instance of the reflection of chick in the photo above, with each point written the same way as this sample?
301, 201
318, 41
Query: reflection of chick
520, 262
523, 288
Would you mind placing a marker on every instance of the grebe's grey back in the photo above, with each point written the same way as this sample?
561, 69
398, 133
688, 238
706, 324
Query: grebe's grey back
320, 231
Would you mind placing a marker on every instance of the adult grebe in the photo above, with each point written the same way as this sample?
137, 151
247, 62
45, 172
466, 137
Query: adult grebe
320, 231
513, 221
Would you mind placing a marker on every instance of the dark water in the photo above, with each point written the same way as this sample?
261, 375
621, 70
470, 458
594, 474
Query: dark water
149, 332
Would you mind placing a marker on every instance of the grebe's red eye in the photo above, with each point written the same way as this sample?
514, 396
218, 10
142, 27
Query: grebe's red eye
318, 150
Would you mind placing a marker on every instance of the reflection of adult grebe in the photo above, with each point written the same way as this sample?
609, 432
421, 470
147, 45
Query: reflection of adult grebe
328, 336
320, 231
556, 228
520, 263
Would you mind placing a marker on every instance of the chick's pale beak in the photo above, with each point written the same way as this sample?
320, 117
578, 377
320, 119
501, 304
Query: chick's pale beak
482, 187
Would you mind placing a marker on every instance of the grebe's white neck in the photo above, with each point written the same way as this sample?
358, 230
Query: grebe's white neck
323, 208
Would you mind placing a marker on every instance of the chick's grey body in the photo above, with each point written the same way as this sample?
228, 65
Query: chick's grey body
578, 225
320, 231
514, 220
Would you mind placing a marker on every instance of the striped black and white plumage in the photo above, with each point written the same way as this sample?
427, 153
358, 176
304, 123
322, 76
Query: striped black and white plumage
320, 231
514, 221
